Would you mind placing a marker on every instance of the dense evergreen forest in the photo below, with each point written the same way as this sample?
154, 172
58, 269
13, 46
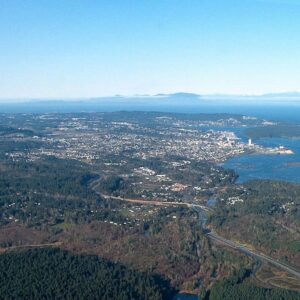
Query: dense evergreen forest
55, 173
49, 192
56, 274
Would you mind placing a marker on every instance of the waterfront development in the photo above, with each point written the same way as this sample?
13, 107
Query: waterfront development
277, 167
155, 192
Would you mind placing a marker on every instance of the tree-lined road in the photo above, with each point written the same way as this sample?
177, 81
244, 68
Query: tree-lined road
211, 235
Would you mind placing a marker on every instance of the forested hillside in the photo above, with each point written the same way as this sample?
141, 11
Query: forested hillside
265, 214
56, 274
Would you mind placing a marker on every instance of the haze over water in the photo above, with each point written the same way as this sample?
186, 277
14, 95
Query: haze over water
276, 167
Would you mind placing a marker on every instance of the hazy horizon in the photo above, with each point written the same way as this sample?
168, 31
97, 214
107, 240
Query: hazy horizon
150, 149
279, 97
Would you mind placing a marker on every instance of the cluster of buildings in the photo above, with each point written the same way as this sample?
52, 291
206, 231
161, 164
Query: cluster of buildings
98, 139
117, 146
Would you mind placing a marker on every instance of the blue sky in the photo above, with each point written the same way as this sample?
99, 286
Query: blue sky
88, 48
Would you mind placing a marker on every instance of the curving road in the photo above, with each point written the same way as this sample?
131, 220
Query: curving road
213, 236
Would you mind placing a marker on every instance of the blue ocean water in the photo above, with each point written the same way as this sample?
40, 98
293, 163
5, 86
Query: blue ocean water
283, 112
185, 297
276, 167
248, 167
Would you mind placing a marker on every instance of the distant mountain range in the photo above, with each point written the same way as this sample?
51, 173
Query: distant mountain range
176, 98
158, 102
173, 97
283, 95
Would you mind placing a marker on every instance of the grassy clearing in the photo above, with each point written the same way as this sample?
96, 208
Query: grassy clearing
277, 278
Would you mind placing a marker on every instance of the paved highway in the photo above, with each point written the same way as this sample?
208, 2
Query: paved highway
155, 202
251, 253
213, 236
